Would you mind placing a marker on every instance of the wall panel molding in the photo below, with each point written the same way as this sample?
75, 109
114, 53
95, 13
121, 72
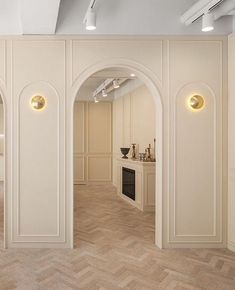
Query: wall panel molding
186, 92
93, 123
215, 235
24, 85
3, 62
80, 172
27, 92
99, 168
133, 122
105, 49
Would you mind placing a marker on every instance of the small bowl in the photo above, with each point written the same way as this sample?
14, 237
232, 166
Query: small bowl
125, 151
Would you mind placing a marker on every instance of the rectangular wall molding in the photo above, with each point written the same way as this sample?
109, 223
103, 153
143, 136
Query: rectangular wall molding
92, 142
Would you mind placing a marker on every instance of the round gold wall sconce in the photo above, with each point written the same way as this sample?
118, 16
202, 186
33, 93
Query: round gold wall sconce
196, 102
38, 102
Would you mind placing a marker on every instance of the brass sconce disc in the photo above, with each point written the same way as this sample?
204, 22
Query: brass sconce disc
196, 102
38, 102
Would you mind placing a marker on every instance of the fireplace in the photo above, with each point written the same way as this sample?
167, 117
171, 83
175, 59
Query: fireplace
128, 182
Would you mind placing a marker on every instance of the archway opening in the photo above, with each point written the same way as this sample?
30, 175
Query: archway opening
94, 166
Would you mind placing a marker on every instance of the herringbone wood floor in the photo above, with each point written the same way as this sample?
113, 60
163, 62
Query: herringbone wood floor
114, 250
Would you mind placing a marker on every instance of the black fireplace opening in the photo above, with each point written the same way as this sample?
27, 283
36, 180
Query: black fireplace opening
128, 182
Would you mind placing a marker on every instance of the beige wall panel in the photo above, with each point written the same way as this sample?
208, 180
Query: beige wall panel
93, 131
79, 127
127, 121
231, 153
151, 179
133, 121
79, 169
196, 194
100, 168
195, 191
195, 62
117, 118
99, 128
143, 118
38, 190
38, 67
41, 60
3, 57
118, 124
141, 51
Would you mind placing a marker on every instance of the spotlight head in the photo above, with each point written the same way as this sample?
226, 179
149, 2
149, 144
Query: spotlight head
116, 84
104, 93
207, 22
96, 100
132, 75
90, 19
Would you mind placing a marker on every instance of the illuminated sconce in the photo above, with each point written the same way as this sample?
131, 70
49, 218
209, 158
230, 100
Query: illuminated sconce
38, 103
196, 102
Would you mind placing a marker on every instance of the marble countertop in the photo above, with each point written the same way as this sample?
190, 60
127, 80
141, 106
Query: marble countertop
136, 161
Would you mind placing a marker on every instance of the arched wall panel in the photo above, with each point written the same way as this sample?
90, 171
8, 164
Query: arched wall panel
57, 67
197, 167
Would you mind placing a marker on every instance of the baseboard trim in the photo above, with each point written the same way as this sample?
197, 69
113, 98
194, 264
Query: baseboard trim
94, 183
38, 245
231, 246
188, 245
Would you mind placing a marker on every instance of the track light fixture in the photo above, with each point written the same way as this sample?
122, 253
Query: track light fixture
108, 86
96, 100
90, 17
207, 22
104, 93
116, 84
207, 11
91, 20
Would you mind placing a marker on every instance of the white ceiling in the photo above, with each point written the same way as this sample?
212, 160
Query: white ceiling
120, 17
42, 18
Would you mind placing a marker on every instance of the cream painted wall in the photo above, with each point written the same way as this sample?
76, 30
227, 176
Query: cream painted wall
92, 142
231, 154
1, 128
191, 172
36, 195
133, 122
1, 142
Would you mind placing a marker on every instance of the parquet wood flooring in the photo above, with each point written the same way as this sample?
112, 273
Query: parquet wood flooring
114, 249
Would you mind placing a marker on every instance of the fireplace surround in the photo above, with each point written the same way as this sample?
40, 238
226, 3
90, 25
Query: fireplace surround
128, 182
136, 183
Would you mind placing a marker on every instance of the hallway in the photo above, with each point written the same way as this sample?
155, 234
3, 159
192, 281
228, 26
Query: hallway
114, 250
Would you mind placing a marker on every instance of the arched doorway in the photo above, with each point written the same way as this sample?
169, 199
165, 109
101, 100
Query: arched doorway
151, 83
